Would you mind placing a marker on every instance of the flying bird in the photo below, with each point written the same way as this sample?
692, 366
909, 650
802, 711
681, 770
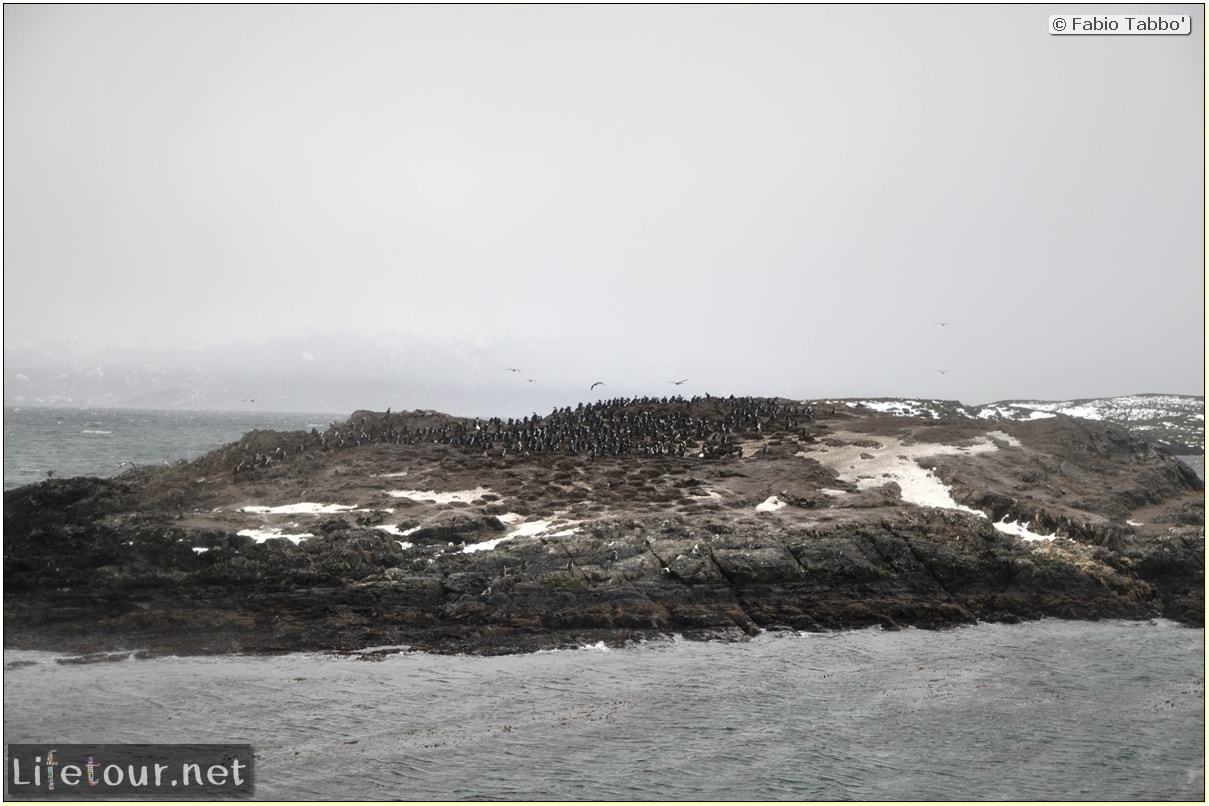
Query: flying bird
678, 382
511, 369
944, 324
943, 371
593, 386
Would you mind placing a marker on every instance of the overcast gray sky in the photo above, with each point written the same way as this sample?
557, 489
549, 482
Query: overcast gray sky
765, 200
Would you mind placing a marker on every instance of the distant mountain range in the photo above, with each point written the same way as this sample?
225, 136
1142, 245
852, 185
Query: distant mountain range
1175, 423
345, 372
316, 372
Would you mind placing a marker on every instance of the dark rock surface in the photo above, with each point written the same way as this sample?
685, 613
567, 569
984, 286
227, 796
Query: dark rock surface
712, 518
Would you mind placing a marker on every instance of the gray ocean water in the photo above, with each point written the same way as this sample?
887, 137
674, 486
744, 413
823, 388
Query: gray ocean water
1051, 710
1040, 711
95, 442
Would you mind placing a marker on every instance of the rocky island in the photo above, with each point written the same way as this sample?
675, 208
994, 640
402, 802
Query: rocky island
615, 521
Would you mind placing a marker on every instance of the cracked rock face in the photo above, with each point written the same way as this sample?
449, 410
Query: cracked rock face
618, 521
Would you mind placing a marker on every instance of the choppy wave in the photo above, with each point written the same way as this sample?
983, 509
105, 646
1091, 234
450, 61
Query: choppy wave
39, 442
1050, 710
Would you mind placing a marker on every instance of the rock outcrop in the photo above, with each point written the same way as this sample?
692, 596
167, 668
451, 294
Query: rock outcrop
618, 521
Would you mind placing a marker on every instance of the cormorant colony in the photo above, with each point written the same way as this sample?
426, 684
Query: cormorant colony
642, 426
